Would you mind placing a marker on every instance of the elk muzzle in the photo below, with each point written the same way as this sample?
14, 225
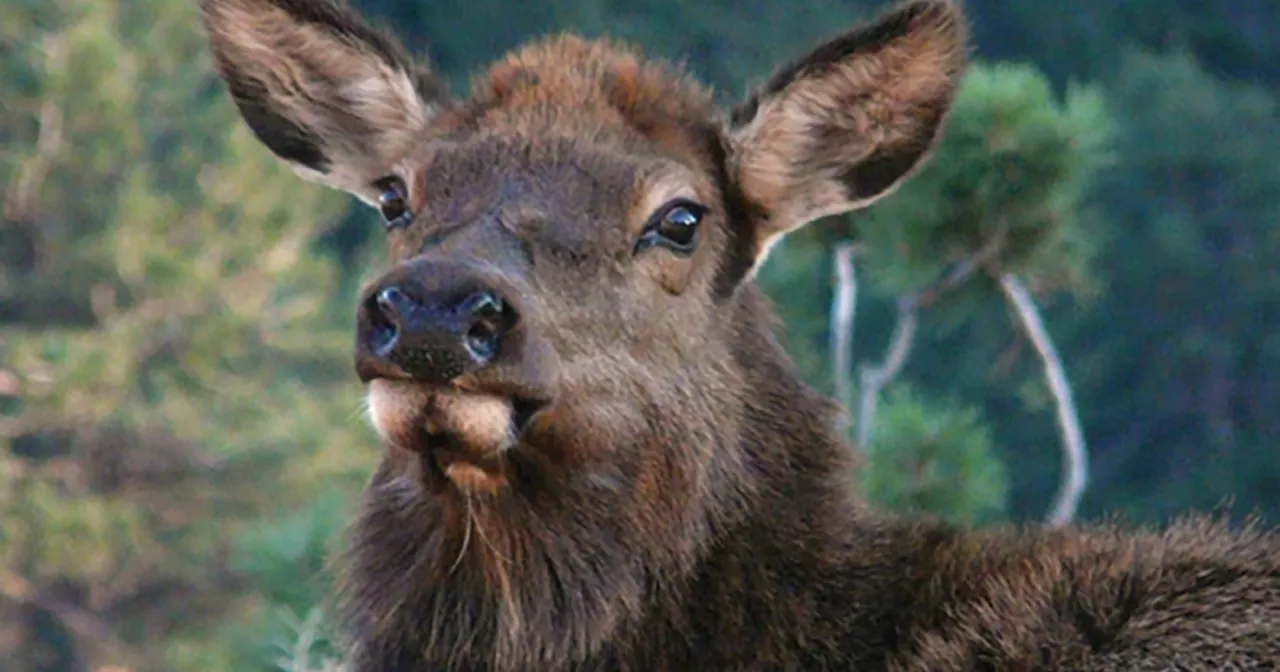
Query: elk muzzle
430, 324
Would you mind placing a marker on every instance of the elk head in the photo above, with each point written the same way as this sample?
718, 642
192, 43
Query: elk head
567, 357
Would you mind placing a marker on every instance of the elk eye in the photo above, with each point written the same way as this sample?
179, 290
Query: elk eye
674, 226
393, 202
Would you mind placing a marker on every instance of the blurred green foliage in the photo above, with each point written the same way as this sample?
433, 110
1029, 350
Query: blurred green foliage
181, 436
1012, 171
936, 458
173, 334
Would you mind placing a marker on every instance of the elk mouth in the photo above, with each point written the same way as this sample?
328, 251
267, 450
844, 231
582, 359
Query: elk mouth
460, 437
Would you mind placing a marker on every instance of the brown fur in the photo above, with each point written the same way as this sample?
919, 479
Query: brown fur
641, 480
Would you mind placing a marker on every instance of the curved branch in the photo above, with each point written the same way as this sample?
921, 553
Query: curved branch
875, 378
1074, 456
963, 270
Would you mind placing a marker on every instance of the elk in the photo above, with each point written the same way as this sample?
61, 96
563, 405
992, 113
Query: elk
598, 456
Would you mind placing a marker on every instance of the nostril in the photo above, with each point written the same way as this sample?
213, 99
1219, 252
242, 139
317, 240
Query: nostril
431, 333
482, 341
385, 311
489, 316
391, 304
484, 306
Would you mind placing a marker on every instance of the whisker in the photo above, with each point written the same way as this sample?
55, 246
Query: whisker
489, 543
466, 534
362, 408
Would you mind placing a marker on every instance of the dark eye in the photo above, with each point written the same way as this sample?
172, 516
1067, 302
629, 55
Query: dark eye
674, 226
393, 202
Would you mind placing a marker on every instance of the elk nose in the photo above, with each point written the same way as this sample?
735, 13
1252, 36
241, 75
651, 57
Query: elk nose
431, 337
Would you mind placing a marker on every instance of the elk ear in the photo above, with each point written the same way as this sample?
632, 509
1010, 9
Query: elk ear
326, 92
846, 123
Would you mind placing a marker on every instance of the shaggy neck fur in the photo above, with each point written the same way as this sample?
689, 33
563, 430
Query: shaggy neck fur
545, 581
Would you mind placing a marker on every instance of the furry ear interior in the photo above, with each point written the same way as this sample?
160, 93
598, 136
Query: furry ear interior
846, 123
326, 92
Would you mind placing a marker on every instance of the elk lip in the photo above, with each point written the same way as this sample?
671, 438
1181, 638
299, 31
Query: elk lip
447, 457
448, 461
523, 411
526, 401
483, 419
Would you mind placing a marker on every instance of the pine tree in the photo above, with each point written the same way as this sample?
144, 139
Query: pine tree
169, 340
998, 207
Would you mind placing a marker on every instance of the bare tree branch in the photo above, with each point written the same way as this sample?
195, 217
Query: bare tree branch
875, 378
1074, 457
843, 310
962, 271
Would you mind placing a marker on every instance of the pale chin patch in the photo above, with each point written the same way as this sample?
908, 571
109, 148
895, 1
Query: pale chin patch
394, 407
397, 410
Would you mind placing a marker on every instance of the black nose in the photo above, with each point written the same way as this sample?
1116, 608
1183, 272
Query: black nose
430, 336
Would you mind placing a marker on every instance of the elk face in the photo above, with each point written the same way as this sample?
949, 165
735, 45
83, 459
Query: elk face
549, 291
556, 343
572, 235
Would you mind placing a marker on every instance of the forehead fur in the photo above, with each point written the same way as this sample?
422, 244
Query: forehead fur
584, 86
